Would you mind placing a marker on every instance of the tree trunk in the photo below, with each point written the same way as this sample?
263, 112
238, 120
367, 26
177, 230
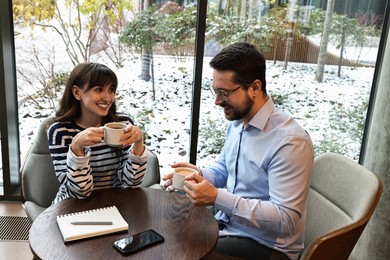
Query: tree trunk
342, 45
221, 10
343, 40
289, 42
146, 61
235, 8
324, 42
290, 17
276, 46
146, 54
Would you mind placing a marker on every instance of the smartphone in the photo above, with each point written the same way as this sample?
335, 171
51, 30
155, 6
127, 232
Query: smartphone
137, 242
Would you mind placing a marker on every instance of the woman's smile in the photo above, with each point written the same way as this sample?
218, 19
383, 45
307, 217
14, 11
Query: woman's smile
104, 105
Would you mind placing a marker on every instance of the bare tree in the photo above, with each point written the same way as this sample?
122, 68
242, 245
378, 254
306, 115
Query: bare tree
83, 26
37, 78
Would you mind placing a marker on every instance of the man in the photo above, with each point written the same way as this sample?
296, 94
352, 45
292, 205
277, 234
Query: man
261, 180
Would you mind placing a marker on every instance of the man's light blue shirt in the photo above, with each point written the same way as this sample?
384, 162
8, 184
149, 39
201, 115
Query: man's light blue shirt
263, 176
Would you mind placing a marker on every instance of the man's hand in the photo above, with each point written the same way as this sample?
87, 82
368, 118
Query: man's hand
168, 177
199, 190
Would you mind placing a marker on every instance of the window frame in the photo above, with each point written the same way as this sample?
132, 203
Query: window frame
9, 106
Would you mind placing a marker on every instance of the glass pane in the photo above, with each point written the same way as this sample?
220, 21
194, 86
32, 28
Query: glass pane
331, 104
149, 48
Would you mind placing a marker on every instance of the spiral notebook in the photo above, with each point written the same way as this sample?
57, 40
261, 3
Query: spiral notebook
91, 223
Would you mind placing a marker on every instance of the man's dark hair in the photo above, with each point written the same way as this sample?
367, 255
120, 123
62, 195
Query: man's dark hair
247, 63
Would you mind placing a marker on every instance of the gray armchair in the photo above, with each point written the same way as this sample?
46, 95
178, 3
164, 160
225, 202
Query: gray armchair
39, 183
342, 198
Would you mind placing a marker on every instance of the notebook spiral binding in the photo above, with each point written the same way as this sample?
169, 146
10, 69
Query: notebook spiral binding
85, 211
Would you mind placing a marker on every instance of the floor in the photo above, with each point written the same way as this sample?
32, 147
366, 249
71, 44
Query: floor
13, 250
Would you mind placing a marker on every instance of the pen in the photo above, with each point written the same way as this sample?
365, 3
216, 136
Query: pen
92, 223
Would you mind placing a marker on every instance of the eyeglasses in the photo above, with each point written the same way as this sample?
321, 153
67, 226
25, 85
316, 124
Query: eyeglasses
222, 93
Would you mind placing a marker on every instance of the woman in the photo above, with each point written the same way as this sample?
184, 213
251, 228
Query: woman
82, 161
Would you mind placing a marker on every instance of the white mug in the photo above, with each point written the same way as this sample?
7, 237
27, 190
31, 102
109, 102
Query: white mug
179, 175
113, 133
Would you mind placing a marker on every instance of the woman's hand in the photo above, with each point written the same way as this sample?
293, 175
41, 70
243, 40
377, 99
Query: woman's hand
134, 135
86, 138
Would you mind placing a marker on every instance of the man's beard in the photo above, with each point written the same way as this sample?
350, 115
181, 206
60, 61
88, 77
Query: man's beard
238, 113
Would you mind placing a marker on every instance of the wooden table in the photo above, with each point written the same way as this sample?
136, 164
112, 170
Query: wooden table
190, 232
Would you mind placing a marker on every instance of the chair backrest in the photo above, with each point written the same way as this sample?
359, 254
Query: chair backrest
39, 183
152, 175
342, 198
38, 180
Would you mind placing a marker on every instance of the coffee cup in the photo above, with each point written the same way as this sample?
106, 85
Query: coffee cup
179, 175
113, 133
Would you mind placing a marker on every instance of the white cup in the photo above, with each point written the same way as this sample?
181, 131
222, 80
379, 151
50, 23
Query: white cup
179, 175
113, 133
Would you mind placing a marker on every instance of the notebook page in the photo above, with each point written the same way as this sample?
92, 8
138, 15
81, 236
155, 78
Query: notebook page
71, 232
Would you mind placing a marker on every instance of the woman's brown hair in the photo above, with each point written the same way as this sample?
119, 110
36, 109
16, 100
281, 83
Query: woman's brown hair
85, 76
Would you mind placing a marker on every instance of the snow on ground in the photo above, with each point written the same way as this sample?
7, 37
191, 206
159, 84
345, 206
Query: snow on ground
167, 119
311, 103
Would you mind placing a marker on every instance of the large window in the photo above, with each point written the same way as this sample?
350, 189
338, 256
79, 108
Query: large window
154, 63
152, 48
326, 88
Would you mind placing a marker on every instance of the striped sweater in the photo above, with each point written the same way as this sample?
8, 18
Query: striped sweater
102, 167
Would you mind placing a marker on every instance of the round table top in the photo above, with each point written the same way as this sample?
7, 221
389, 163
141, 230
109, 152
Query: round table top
190, 232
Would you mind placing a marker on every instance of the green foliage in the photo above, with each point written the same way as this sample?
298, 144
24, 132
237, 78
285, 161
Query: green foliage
55, 86
230, 29
354, 116
178, 29
275, 22
349, 123
315, 24
144, 118
330, 143
341, 24
152, 27
140, 33
279, 99
212, 137
57, 81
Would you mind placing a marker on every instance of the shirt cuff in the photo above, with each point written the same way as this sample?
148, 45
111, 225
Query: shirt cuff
208, 175
140, 158
225, 201
77, 160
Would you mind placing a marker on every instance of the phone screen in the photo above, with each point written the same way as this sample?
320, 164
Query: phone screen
134, 243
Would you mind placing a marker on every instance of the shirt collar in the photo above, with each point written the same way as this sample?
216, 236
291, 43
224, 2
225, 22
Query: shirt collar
259, 120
